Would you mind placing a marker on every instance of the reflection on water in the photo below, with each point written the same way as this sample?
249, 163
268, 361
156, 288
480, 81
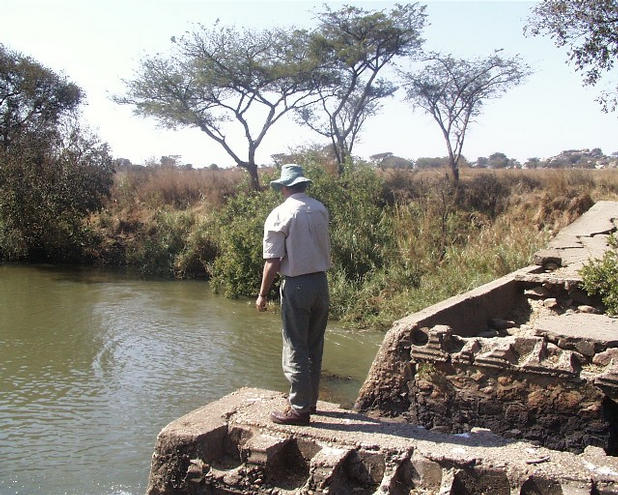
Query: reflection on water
93, 364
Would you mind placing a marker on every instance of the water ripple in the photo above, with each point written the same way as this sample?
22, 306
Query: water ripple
93, 366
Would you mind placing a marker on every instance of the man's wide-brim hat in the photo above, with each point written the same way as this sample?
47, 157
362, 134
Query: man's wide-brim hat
291, 174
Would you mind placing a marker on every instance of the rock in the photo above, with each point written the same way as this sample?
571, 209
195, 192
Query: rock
488, 334
538, 292
500, 324
547, 258
606, 357
550, 302
585, 347
579, 296
584, 308
592, 451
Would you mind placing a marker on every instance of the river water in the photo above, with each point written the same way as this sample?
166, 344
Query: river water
94, 363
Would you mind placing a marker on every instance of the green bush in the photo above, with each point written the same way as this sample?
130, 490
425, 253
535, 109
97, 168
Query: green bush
600, 277
154, 249
237, 271
46, 192
199, 252
360, 231
360, 224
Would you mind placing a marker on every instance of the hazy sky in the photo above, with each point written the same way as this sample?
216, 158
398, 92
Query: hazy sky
98, 43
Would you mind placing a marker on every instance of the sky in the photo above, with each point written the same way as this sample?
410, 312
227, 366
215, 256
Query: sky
99, 43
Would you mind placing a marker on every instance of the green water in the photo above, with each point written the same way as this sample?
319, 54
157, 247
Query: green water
93, 364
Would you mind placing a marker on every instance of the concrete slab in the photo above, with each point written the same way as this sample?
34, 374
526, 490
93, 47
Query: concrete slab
596, 328
366, 455
580, 241
599, 219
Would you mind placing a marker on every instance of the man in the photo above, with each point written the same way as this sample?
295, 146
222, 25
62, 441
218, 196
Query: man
296, 245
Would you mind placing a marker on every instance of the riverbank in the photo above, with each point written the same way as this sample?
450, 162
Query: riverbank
402, 239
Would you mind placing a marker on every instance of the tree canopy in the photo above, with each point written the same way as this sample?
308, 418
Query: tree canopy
589, 30
52, 172
453, 92
352, 46
33, 99
221, 75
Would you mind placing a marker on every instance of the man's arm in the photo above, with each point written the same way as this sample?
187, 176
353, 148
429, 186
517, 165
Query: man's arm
271, 268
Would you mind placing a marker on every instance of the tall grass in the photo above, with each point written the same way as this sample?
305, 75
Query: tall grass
401, 240
177, 187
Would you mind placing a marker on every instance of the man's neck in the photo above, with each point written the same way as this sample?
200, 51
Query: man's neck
287, 192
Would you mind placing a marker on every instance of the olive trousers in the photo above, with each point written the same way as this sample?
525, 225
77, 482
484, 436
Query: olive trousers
304, 314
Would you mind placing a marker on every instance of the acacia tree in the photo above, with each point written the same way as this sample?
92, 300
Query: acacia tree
351, 47
453, 91
220, 76
589, 29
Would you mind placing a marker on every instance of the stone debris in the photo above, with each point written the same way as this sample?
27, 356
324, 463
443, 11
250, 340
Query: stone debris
373, 457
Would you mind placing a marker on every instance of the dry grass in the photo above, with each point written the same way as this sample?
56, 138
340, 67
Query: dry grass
456, 242
441, 241
177, 187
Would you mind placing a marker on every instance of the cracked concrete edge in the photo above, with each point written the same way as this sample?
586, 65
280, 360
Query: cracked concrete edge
468, 312
570, 246
481, 451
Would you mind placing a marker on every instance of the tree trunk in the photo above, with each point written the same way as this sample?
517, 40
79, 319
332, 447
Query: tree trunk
342, 155
252, 169
455, 170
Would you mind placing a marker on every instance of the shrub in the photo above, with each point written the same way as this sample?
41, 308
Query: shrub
360, 226
600, 277
199, 252
239, 228
47, 189
483, 193
154, 249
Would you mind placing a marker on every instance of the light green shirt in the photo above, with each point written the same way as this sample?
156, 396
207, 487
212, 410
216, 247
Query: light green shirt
296, 232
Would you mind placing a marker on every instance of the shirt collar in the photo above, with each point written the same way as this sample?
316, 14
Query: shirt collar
298, 195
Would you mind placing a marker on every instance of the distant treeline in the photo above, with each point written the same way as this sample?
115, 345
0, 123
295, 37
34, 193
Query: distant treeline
591, 159
586, 158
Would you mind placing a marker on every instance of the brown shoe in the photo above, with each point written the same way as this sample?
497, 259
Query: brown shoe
289, 417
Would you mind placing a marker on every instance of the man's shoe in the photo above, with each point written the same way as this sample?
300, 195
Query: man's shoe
313, 410
289, 417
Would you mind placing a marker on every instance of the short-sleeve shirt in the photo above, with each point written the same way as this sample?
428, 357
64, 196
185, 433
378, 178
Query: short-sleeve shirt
296, 232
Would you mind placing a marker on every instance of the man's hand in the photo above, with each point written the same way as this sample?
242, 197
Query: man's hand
260, 303
271, 267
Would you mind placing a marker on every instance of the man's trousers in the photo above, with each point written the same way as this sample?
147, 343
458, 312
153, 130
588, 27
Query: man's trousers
304, 314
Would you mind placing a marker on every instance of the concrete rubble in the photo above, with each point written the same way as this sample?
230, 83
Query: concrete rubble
529, 356
231, 447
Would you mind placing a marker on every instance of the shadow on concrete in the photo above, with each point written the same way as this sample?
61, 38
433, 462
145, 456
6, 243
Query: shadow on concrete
352, 422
